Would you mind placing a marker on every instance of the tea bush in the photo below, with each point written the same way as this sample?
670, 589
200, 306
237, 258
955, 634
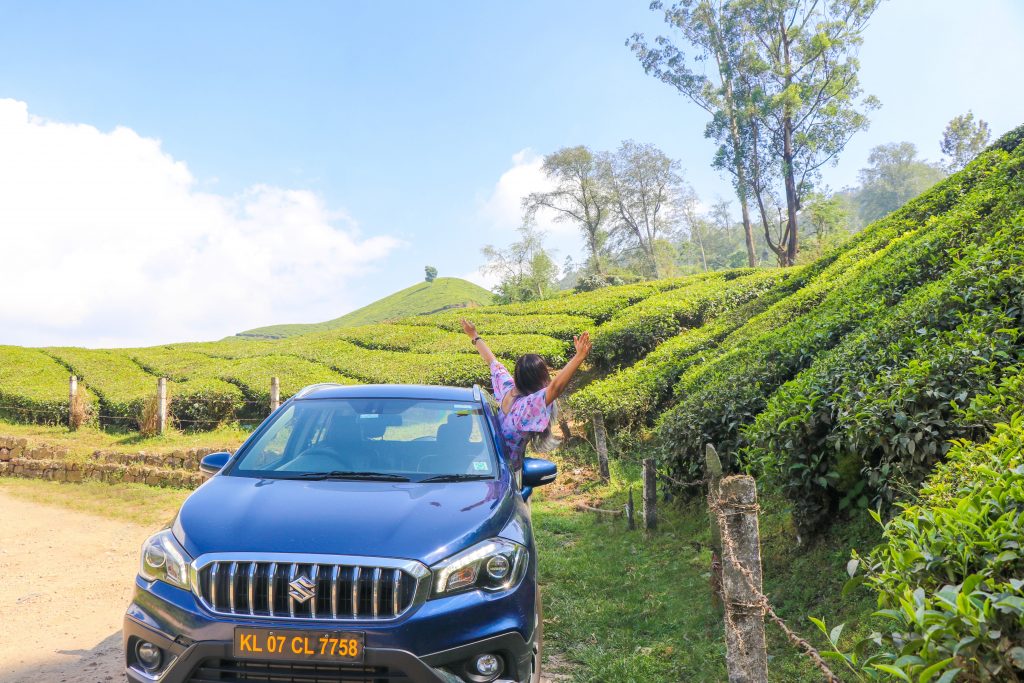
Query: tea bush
124, 388
600, 304
636, 330
563, 327
399, 337
910, 248
34, 387
878, 409
950, 574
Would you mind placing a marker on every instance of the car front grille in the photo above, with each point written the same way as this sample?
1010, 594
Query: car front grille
314, 587
229, 670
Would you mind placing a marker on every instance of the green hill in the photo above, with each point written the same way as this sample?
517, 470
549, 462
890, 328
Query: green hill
423, 297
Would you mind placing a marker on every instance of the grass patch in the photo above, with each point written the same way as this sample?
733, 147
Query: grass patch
138, 503
88, 439
623, 607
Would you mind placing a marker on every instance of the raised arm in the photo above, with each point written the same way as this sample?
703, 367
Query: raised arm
478, 341
561, 381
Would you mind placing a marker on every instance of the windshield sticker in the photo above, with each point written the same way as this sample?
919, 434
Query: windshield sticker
480, 466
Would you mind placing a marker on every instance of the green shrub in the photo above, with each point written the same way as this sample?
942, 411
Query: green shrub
563, 327
912, 247
600, 304
34, 387
636, 330
398, 337
124, 388
949, 574
366, 365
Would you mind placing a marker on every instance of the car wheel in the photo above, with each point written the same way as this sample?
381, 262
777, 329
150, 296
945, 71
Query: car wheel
538, 642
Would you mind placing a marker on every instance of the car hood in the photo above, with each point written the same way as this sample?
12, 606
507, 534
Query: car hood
425, 522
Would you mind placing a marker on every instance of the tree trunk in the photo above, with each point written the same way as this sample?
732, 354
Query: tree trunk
792, 201
748, 228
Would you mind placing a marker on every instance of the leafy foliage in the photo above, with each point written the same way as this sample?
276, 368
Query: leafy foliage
33, 387
948, 575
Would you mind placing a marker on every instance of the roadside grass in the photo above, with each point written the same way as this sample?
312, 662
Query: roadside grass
138, 503
627, 607
88, 439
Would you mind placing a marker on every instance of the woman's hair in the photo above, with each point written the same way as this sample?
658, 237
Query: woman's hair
531, 374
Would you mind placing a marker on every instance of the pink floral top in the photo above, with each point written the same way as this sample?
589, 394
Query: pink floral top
527, 414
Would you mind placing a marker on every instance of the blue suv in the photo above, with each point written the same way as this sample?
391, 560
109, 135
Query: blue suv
361, 533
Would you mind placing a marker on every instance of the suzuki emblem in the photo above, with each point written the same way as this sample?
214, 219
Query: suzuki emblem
302, 589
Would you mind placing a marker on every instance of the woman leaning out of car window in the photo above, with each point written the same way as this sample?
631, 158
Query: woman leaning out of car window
527, 398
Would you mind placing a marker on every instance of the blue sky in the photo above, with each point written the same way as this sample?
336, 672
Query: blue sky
410, 126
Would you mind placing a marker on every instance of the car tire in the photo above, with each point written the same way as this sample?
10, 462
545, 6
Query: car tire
538, 643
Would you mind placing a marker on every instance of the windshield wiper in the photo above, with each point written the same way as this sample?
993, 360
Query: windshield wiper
346, 474
456, 477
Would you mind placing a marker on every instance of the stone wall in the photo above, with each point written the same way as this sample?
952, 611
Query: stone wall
178, 469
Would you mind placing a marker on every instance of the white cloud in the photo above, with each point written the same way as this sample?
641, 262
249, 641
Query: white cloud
486, 280
107, 240
501, 211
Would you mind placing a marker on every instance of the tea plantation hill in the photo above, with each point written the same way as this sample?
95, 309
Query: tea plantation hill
421, 298
841, 384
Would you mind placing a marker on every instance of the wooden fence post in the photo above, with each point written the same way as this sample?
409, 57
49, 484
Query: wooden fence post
630, 511
161, 405
650, 495
275, 394
746, 655
713, 467
601, 442
72, 395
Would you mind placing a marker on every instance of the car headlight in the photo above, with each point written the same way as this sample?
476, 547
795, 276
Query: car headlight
496, 564
163, 559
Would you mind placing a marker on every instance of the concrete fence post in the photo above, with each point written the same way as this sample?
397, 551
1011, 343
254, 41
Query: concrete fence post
746, 654
650, 495
630, 511
72, 396
161, 405
601, 443
275, 394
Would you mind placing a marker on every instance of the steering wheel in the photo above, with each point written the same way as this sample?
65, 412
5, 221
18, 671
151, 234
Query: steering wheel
319, 450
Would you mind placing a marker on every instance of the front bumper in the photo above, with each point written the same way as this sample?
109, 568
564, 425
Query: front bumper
422, 647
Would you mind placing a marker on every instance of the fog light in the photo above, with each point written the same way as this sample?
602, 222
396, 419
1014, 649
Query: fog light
498, 567
488, 665
149, 655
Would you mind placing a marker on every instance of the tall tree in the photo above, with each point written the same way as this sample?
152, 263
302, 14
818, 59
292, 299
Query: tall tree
895, 176
715, 32
525, 268
578, 197
963, 140
430, 273
645, 187
800, 67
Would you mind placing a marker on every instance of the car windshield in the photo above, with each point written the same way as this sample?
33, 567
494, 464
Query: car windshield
387, 439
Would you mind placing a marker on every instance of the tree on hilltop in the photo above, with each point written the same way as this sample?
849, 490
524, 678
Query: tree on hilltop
431, 273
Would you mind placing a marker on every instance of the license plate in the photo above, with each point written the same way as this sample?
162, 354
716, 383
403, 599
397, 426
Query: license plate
291, 645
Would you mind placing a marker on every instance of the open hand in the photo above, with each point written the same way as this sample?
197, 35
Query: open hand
468, 327
582, 343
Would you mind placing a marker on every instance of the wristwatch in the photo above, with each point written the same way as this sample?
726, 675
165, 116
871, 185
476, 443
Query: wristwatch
476, 339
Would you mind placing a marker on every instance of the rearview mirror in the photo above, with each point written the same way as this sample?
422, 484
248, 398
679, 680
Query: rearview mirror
214, 462
538, 472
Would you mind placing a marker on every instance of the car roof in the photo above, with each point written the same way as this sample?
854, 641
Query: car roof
414, 391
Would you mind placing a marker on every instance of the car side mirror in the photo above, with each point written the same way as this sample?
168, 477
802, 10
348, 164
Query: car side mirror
538, 472
214, 462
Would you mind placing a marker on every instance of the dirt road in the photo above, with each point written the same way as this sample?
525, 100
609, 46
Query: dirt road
65, 580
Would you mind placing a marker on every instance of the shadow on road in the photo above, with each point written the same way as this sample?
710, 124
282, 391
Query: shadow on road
100, 664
